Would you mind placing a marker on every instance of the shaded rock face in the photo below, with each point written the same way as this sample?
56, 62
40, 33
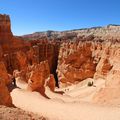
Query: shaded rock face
5, 98
22, 60
37, 76
41, 51
3, 74
10, 45
5, 80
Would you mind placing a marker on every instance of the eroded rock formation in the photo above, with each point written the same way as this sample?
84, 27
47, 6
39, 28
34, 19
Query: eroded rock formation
3, 73
110, 93
23, 57
85, 53
5, 98
40, 78
76, 62
80, 60
18, 53
7, 40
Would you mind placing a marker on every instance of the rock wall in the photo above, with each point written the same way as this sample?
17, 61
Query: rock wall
18, 53
76, 62
39, 73
5, 98
7, 41
76, 56
110, 92
45, 50
99, 60
80, 60
24, 57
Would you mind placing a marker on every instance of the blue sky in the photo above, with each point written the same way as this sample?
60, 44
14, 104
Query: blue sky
28, 16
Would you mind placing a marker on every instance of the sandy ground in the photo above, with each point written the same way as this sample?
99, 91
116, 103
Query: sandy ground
7, 113
75, 104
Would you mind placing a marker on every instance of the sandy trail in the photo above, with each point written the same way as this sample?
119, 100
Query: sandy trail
81, 91
21, 84
59, 110
70, 106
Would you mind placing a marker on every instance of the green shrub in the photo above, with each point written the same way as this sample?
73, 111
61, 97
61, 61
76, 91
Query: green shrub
90, 83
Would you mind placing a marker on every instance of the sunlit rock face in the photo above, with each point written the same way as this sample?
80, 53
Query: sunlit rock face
40, 77
44, 50
51, 82
110, 93
82, 54
76, 62
21, 59
80, 60
18, 53
102, 53
5, 31
7, 40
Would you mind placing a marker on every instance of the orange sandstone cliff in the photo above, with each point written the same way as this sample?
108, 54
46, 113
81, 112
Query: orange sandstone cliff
72, 56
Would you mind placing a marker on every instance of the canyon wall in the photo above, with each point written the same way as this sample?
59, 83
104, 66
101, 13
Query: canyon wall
73, 55
109, 66
17, 53
8, 42
98, 60
76, 62
79, 60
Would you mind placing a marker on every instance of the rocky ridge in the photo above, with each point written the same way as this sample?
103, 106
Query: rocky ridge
109, 32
